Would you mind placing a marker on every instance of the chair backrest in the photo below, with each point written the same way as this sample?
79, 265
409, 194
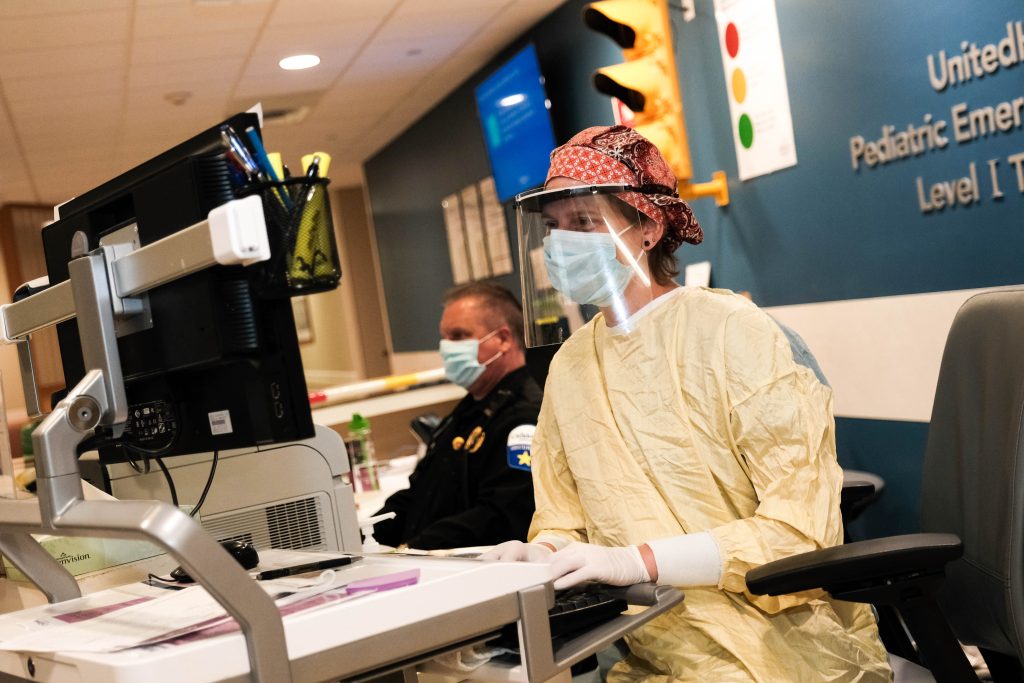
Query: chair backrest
973, 481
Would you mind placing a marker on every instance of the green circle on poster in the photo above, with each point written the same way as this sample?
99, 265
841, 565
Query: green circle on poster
746, 131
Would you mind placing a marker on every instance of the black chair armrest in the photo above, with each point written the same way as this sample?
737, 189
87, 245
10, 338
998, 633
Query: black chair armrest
855, 565
856, 495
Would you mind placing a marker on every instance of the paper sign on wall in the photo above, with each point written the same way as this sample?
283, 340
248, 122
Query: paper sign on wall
755, 77
478, 243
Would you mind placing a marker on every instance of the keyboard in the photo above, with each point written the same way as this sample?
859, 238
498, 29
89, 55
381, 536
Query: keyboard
576, 609
582, 607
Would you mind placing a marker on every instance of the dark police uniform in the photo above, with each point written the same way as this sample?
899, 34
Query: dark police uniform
473, 487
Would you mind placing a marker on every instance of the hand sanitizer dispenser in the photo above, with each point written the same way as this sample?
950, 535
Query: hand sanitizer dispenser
370, 544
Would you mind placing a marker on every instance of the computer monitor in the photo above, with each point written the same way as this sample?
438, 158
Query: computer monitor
513, 109
209, 365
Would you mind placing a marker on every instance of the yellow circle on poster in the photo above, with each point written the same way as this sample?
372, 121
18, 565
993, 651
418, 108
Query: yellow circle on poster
739, 85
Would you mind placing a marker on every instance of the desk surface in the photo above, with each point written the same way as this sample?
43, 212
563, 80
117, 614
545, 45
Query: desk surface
454, 601
341, 414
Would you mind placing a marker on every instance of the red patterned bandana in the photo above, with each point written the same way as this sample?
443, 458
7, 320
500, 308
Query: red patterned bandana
617, 154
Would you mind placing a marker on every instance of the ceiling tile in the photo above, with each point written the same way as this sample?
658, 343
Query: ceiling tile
329, 12
449, 8
181, 20
23, 8
61, 60
14, 179
17, 189
96, 84
194, 46
60, 114
334, 48
280, 84
433, 26
63, 30
88, 89
186, 74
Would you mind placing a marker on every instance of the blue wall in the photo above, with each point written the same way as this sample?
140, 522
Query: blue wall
819, 231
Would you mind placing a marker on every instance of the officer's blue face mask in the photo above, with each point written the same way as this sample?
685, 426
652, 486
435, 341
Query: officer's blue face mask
460, 358
583, 267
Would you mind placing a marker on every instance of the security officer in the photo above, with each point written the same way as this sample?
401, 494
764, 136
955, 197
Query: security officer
473, 486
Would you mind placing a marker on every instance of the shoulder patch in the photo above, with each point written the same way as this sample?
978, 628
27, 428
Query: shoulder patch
517, 449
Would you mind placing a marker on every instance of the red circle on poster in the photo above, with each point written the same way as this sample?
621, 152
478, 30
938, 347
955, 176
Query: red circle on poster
732, 40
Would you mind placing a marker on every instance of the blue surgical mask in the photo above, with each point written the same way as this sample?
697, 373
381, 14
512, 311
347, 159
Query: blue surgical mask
460, 358
583, 267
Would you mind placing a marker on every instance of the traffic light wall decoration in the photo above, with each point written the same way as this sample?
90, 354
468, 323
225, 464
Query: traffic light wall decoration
648, 84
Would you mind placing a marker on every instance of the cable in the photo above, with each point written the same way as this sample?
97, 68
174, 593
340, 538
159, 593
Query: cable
209, 482
134, 464
170, 481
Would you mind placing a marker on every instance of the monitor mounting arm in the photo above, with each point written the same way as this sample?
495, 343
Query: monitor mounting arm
234, 233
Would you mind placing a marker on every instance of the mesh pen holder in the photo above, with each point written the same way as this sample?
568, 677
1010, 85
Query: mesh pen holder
303, 251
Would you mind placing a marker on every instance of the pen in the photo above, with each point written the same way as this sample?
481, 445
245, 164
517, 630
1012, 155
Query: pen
311, 173
239, 151
261, 154
303, 568
268, 169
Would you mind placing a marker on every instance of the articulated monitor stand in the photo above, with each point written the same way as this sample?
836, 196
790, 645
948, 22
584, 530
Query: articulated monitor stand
99, 399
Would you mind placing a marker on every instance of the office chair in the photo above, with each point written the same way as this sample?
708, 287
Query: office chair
971, 558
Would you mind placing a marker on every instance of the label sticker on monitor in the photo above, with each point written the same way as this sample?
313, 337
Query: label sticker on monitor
220, 422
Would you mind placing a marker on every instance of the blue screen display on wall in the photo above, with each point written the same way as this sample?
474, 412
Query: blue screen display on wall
513, 110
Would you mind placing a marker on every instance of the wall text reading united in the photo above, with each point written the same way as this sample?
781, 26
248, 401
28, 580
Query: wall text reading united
964, 125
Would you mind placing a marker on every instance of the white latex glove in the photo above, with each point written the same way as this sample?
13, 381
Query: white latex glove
579, 562
517, 551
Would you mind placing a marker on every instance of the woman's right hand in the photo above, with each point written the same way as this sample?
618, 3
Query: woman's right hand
517, 551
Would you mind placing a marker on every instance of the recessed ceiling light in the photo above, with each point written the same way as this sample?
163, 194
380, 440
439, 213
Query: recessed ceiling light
296, 62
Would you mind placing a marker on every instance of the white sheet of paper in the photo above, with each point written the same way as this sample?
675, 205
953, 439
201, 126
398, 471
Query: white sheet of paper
698, 274
496, 228
121, 628
476, 243
755, 78
456, 239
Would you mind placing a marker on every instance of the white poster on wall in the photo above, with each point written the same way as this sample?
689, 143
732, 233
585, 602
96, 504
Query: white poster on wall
496, 229
476, 242
456, 239
755, 78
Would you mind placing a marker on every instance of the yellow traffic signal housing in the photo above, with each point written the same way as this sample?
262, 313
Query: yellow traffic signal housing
648, 84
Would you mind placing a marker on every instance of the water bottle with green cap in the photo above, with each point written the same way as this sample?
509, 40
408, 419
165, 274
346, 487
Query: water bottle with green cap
364, 465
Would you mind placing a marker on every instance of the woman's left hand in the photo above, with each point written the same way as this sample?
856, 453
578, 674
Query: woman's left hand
579, 562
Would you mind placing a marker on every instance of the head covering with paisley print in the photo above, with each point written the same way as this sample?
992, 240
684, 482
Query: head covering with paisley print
617, 154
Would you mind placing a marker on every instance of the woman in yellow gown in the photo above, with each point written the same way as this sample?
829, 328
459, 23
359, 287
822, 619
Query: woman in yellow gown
678, 440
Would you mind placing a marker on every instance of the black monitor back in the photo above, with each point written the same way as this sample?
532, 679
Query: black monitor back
219, 367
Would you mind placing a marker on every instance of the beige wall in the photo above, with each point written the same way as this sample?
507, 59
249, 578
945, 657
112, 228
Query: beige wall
13, 395
349, 342
363, 282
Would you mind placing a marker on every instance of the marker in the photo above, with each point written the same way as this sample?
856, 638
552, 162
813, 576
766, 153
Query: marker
303, 568
275, 163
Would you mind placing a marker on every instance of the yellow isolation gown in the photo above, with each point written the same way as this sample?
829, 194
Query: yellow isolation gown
699, 420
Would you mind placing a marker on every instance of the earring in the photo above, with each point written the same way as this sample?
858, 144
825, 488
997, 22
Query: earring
647, 243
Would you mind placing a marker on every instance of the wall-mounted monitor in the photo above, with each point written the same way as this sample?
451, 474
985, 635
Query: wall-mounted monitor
513, 110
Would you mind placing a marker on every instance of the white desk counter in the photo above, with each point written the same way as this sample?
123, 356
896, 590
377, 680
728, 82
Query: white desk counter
455, 602
390, 415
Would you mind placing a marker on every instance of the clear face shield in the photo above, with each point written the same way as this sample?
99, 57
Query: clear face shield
581, 251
